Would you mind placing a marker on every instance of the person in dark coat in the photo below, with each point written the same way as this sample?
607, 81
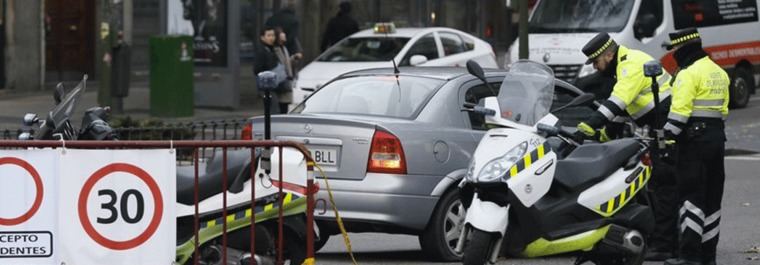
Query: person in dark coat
265, 59
340, 26
287, 20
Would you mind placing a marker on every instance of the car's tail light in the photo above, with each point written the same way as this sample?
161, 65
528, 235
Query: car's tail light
386, 154
646, 159
247, 132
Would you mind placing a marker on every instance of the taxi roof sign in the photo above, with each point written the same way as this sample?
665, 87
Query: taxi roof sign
386, 27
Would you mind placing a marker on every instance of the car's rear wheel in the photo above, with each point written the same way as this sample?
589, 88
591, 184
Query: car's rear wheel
442, 233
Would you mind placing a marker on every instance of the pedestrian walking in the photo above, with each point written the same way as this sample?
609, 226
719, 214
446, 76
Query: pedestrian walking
632, 96
340, 26
285, 89
696, 124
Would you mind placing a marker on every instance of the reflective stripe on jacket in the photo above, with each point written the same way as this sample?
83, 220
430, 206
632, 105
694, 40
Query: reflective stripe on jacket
632, 91
700, 90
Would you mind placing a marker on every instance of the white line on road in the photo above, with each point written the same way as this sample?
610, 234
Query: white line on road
754, 98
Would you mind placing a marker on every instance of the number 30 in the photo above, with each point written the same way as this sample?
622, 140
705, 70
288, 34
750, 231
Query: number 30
123, 206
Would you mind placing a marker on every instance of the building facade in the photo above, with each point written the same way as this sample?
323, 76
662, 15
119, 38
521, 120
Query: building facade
47, 41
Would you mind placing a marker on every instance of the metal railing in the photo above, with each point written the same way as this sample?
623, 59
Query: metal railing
310, 189
192, 130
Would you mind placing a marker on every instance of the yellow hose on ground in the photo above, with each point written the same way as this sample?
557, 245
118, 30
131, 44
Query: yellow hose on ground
346, 239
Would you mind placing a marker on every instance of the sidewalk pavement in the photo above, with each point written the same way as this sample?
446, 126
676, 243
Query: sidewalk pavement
137, 106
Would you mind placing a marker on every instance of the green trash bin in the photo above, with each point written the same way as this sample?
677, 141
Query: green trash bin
171, 76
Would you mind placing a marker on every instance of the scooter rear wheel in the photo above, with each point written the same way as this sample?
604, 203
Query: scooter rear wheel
478, 248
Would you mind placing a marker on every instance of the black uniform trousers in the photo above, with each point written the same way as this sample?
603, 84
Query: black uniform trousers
663, 192
700, 177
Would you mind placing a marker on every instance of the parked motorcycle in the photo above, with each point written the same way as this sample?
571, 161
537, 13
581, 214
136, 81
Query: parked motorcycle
532, 190
57, 126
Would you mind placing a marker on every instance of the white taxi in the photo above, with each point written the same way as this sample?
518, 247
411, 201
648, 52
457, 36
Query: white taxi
376, 47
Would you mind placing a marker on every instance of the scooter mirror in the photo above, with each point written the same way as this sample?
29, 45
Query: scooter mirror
474, 69
58, 93
25, 136
266, 80
31, 119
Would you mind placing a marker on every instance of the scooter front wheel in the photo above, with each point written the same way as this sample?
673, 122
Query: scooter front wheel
478, 248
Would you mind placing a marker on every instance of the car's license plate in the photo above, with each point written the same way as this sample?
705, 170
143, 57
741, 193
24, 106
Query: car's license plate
324, 156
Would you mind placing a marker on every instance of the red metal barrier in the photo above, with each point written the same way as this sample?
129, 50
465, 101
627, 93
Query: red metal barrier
195, 145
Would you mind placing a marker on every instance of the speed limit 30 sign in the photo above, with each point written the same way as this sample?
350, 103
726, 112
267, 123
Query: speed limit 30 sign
123, 205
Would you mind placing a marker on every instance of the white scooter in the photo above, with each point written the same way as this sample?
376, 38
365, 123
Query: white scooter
532, 191
240, 186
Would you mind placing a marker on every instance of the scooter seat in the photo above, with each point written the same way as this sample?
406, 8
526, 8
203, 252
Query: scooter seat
589, 164
210, 182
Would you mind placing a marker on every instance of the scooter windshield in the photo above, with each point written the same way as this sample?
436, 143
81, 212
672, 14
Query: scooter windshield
526, 94
62, 112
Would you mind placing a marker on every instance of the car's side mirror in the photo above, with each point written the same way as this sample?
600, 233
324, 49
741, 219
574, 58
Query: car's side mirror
266, 81
645, 26
58, 93
417, 60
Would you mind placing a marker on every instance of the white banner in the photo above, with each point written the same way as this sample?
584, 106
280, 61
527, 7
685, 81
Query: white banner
120, 207
28, 210
87, 207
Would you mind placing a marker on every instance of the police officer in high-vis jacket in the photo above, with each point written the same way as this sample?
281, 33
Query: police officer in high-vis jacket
632, 96
696, 123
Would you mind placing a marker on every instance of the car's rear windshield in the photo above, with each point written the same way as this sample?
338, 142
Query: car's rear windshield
371, 49
372, 95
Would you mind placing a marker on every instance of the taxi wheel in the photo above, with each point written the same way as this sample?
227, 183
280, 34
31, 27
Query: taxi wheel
442, 233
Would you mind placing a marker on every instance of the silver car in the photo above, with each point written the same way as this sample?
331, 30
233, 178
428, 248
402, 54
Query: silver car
394, 148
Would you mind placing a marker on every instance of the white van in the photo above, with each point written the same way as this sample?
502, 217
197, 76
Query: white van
730, 33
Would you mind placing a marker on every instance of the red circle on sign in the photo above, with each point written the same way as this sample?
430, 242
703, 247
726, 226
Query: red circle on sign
157, 202
37, 184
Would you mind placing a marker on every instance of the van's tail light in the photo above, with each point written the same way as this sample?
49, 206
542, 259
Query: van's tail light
646, 159
247, 132
386, 154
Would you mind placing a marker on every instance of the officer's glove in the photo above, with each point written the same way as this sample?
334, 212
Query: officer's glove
603, 137
586, 129
668, 154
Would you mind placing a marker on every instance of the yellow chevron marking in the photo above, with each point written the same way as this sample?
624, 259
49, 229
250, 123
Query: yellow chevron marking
230, 218
633, 189
268, 207
248, 213
527, 161
513, 171
288, 198
641, 181
211, 223
609, 205
622, 198
540, 151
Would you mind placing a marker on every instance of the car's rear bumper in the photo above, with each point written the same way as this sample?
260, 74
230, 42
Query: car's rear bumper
384, 201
